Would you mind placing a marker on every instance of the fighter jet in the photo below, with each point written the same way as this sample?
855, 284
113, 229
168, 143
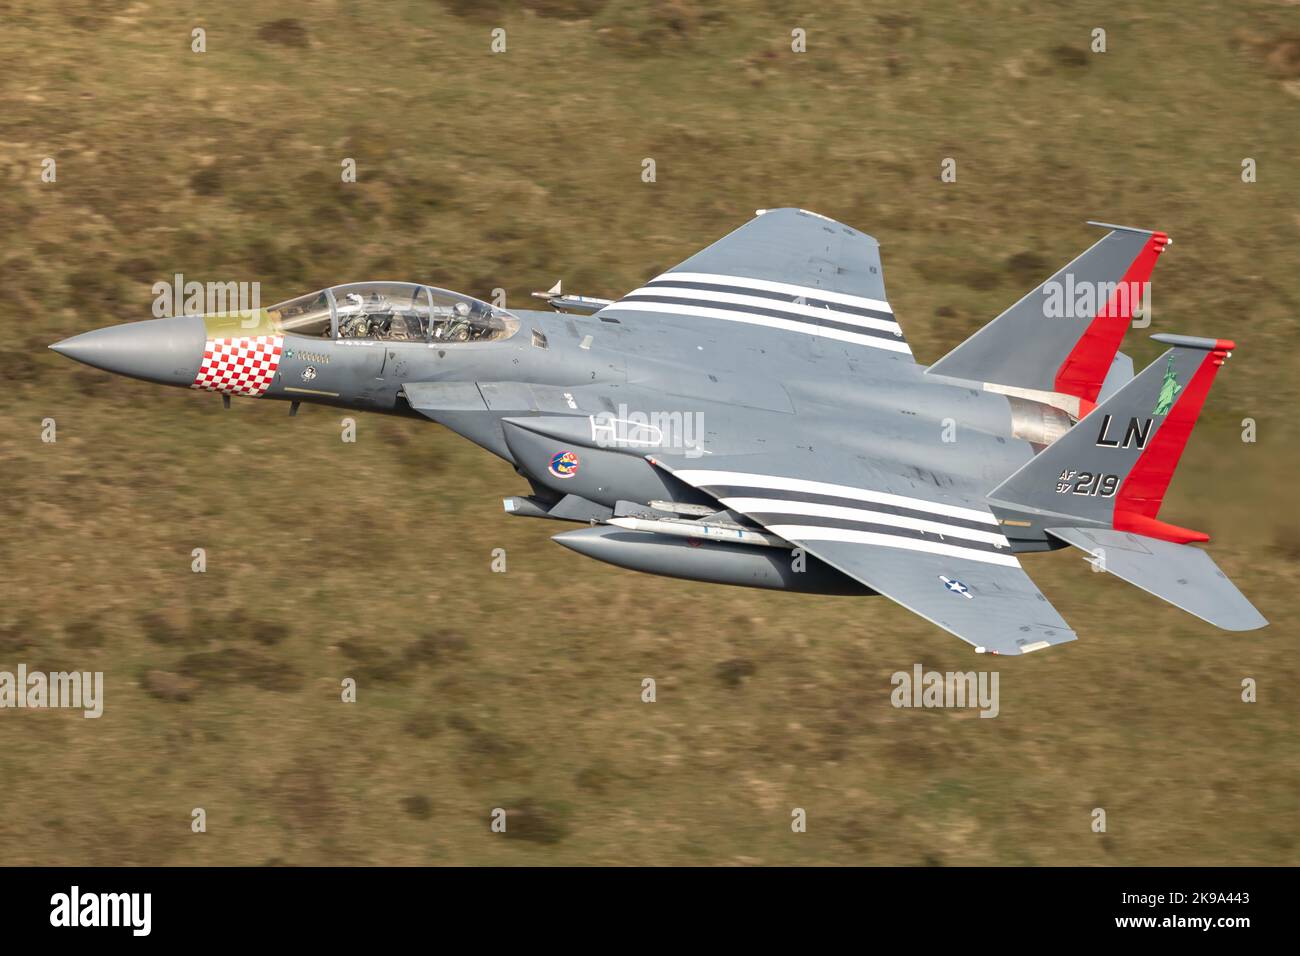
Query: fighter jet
754, 416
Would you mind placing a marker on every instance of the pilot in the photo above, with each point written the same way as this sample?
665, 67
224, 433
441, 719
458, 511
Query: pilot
454, 326
380, 315
352, 317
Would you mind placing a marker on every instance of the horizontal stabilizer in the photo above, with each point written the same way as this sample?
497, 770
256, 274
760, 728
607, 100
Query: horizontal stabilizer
1184, 576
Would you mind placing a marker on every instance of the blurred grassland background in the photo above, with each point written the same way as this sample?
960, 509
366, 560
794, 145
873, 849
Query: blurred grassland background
521, 690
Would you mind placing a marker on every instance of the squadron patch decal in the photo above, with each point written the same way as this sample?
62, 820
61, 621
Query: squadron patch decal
239, 366
564, 464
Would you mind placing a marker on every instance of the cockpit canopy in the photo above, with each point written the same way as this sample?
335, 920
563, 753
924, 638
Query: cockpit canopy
393, 312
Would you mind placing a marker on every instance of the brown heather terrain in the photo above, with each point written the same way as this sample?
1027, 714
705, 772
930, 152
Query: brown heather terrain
372, 560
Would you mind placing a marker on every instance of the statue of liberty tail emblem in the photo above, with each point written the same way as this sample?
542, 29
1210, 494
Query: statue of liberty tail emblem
1169, 389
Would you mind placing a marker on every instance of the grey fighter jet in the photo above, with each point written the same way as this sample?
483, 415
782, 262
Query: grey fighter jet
754, 416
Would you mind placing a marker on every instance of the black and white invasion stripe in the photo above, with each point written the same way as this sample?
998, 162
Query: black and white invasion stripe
777, 305
798, 509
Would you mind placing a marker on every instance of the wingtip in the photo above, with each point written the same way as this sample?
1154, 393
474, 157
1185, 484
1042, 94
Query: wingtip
1195, 342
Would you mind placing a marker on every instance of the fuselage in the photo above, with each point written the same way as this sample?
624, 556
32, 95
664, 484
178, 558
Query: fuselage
611, 392
949, 434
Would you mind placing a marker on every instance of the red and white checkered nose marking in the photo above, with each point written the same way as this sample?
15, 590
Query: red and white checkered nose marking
240, 366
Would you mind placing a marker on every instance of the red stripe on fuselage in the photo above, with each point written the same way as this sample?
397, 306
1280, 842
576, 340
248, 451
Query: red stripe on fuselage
1085, 368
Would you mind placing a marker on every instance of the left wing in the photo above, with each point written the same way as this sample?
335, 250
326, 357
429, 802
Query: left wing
940, 556
786, 272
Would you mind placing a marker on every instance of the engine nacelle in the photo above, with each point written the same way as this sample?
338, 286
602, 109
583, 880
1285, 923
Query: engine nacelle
1038, 423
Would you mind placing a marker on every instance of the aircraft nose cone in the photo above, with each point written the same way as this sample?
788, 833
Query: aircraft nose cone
167, 351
